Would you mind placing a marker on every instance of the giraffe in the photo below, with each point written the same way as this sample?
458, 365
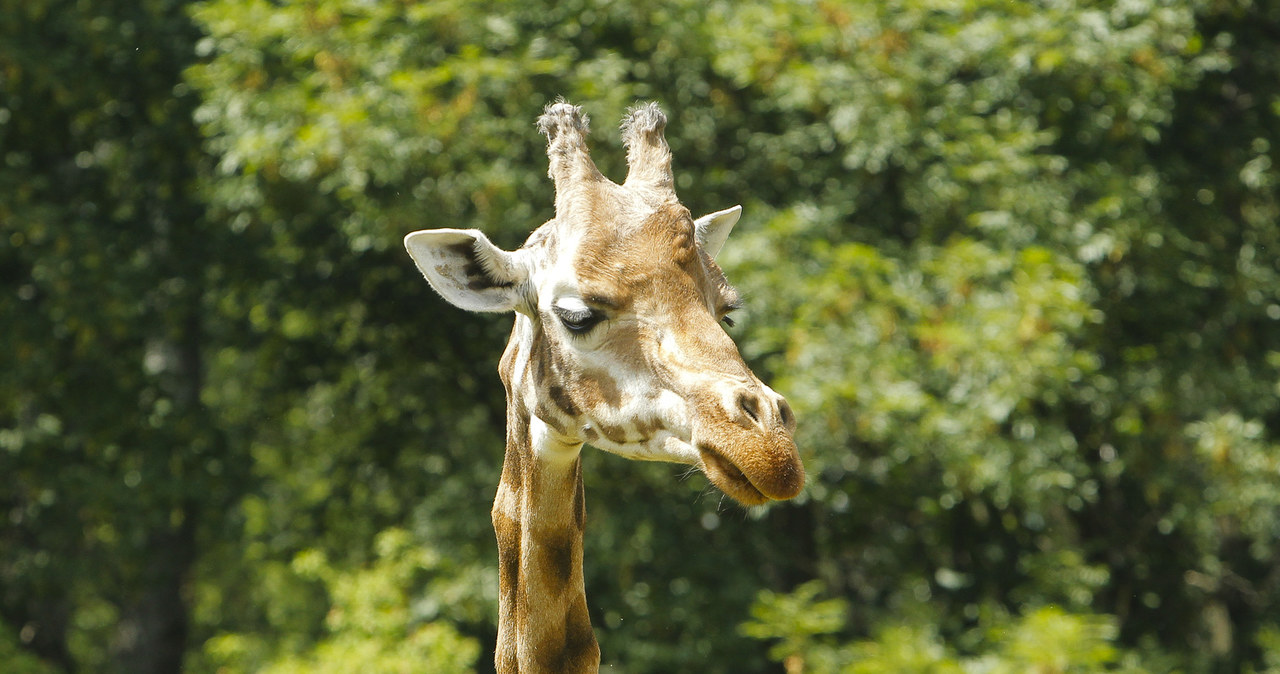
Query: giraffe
616, 344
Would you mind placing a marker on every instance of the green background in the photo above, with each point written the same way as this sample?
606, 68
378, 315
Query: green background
1016, 265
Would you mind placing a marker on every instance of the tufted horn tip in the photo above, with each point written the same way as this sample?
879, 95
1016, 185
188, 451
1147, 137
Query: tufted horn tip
642, 120
648, 156
570, 167
561, 116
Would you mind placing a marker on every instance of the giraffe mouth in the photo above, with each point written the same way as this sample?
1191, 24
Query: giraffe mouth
730, 479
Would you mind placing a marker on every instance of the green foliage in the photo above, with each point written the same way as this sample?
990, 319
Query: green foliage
15, 658
797, 619
111, 465
1045, 640
1014, 264
376, 619
1269, 644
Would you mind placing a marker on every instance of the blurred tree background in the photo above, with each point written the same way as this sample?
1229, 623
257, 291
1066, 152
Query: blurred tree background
1015, 264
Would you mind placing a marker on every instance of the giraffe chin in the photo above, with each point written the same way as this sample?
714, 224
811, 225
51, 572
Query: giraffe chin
729, 478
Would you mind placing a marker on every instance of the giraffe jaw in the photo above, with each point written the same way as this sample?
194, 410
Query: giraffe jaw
730, 479
719, 469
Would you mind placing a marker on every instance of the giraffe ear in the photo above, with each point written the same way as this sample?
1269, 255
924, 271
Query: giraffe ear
714, 228
467, 269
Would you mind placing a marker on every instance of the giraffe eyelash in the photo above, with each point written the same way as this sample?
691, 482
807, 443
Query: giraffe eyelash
578, 322
728, 309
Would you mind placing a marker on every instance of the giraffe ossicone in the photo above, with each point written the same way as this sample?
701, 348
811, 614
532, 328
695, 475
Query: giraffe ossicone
617, 343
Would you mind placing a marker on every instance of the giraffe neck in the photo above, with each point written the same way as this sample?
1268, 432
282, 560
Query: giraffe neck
538, 516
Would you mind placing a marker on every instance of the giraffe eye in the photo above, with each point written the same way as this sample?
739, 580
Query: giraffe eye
578, 320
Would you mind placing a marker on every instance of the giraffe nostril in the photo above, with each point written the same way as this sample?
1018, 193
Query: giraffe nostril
749, 404
785, 414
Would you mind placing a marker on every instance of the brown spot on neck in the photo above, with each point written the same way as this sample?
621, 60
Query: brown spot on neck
539, 516
560, 398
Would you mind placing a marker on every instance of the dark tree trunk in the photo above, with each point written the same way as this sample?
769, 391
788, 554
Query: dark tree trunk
151, 636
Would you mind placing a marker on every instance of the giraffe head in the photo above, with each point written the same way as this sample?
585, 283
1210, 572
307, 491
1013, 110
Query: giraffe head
618, 339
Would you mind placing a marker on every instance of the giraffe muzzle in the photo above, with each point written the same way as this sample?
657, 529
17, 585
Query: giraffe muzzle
748, 450
765, 471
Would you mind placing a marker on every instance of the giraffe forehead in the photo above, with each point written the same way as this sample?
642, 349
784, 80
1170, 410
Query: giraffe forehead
665, 235
650, 256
